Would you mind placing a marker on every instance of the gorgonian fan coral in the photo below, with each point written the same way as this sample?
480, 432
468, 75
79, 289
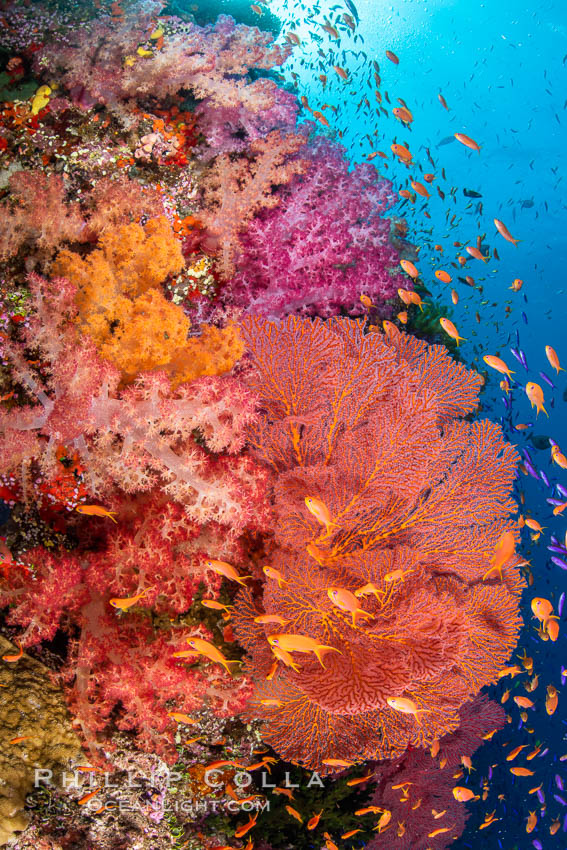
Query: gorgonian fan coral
417, 499
417, 788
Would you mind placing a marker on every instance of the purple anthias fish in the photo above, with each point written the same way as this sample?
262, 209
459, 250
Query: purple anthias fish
527, 454
561, 601
558, 549
560, 562
544, 478
556, 542
559, 782
561, 489
563, 676
554, 502
547, 380
531, 469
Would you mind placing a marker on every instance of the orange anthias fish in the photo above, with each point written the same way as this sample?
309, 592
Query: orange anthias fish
467, 141
407, 706
532, 821
320, 511
402, 113
503, 551
513, 753
474, 252
367, 589
498, 364
246, 827
341, 72
338, 762
128, 601
352, 832
312, 822
523, 702
439, 831
463, 794
210, 651
443, 276
347, 601
286, 657
443, 102
551, 699
275, 575
559, 458
226, 570
535, 394
95, 510
409, 268
300, 643
12, 658
402, 153
450, 329
419, 188
553, 359
265, 619
180, 717
541, 608
294, 813
503, 230
454, 297
521, 771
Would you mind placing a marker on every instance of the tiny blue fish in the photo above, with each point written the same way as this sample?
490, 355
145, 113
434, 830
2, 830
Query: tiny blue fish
547, 380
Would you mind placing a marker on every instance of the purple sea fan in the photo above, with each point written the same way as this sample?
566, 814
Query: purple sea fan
323, 246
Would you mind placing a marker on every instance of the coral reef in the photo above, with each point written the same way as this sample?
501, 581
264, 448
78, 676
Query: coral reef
36, 734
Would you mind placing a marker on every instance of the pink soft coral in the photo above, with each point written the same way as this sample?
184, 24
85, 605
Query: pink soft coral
324, 245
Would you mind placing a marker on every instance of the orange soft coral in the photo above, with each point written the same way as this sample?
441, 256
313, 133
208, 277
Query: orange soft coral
122, 307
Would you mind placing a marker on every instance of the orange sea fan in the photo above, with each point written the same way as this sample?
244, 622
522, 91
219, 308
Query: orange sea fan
417, 499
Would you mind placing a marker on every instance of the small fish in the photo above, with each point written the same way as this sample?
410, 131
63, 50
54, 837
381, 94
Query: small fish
517, 284
532, 821
368, 810
467, 141
20, 739
463, 794
498, 364
341, 72
474, 252
242, 830
535, 394
96, 510
11, 658
275, 575
210, 651
439, 831
128, 601
503, 551
402, 152
226, 570
265, 619
88, 797
407, 706
443, 276
359, 780
450, 329
180, 717
338, 762
521, 771
503, 230
350, 833
300, 643
313, 821
553, 359
320, 511
347, 601
277, 703
294, 813
392, 57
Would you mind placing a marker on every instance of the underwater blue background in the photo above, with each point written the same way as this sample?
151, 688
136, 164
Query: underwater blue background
502, 68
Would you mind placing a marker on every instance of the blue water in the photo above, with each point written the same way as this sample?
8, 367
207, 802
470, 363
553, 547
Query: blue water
502, 69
